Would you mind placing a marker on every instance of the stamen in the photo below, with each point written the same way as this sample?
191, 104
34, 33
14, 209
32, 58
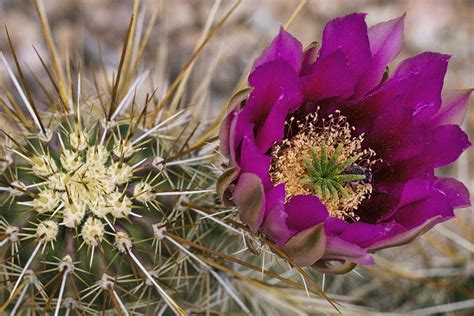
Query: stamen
324, 159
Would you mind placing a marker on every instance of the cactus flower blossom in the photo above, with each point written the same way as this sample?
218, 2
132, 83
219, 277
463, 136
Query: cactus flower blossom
332, 157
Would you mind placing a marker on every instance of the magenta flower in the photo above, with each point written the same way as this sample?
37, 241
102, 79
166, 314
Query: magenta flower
332, 158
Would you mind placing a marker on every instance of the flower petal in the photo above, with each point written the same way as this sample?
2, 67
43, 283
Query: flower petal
250, 200
225, 130
455, 191
226, 178
224, 133
386, 40
425, 96
334, 267
418, 212
273, 82
275, 226
348, 34
306, 247
382, 109
331, 77
407, 236
359, 233
305, 211
240, 126
273, 128
309, 58
338, 249
275, 196
284, 47
453, 108
254, 161
446, 145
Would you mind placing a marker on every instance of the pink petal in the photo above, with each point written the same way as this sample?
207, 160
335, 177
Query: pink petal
254, 161
338, 249
349, 35
306, 247
330, 78
447, 143
284, 47
275, 226
406, 237
386, 40
425, 96
455, 191
250, 200
453, 108
305, 211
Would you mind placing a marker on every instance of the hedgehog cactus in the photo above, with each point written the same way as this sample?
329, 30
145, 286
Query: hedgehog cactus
84, 195
97, 196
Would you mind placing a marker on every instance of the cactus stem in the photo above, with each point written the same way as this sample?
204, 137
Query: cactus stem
78, 104
21, 155
102, 139
135, 214
3, 242
304, 283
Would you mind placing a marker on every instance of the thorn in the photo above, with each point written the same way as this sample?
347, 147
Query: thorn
183, 192
156, 127
119, 301
27, 265
169, 301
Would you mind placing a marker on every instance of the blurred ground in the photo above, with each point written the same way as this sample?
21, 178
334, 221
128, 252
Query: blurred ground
438, 270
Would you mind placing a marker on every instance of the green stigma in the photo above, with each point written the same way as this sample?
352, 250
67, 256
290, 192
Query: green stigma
327, 176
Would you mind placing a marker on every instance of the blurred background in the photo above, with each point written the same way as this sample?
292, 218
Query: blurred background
434, 275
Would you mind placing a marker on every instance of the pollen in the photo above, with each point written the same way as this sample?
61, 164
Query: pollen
324, 159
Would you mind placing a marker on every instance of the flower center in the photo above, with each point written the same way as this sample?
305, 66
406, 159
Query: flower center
325, 160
